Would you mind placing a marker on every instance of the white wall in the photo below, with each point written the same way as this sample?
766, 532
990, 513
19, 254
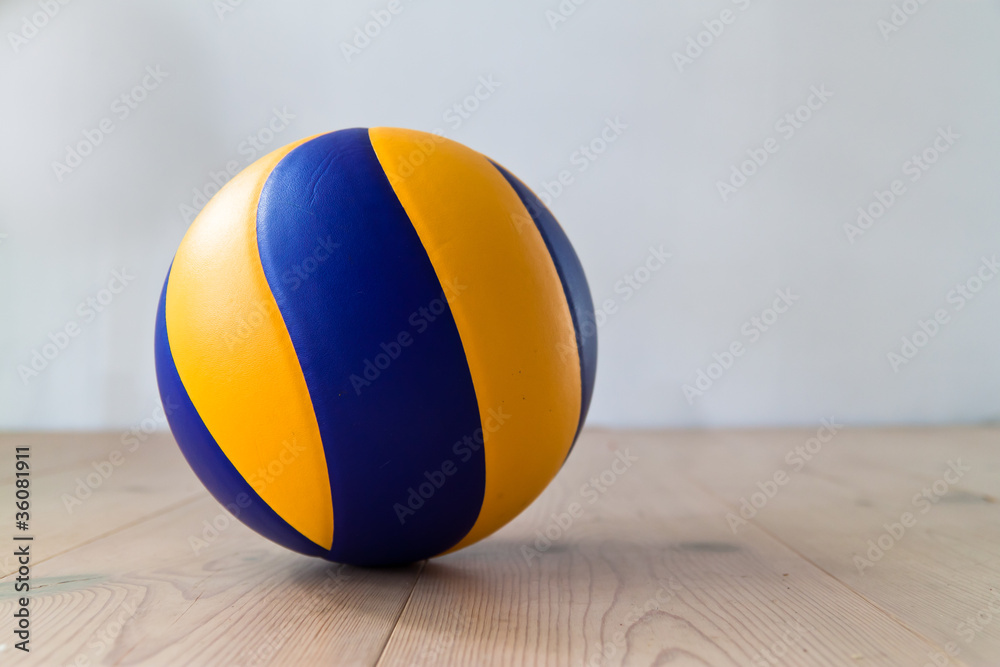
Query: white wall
655, 185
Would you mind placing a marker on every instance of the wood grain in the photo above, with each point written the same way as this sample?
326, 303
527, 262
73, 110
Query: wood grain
641, 565
592, 598
146, 596
79, 495
938, 573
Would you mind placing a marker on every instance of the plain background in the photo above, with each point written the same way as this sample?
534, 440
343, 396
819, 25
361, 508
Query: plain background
687, 123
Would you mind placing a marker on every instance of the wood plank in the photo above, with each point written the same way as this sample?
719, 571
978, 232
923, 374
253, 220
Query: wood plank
592, 597
939, 575
653, 559
144, 597
55, 452
73, 505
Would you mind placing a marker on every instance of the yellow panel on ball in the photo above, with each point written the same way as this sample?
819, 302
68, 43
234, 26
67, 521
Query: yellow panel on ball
236, 359
511, 315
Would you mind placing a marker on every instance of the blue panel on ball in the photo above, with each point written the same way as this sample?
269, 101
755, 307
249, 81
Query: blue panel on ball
379, 349
581, 305
207, 460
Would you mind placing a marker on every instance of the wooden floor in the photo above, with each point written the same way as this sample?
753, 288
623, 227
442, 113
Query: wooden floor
657, 567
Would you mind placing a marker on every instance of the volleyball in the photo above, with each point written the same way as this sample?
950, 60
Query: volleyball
376, 345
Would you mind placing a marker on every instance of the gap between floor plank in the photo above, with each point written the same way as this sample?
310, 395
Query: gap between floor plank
892, 617
402, 610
